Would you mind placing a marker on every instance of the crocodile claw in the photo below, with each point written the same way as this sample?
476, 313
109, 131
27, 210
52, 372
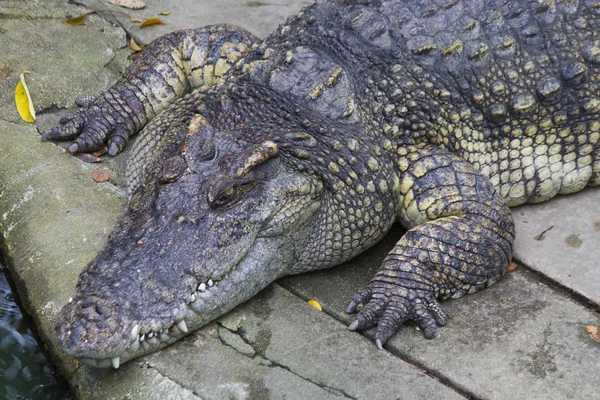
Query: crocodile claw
389, 306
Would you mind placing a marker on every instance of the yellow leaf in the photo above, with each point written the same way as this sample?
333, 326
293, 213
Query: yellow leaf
134, 46
315, 304
152, 21
23, 100
78, 20
164, 13
133, 4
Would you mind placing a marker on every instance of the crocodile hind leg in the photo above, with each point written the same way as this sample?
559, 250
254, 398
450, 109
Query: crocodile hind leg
166, 70
459, 241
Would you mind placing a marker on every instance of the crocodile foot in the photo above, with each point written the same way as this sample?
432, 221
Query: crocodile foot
104, 121
389, 305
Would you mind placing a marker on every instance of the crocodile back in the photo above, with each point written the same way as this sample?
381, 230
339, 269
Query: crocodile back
511, 86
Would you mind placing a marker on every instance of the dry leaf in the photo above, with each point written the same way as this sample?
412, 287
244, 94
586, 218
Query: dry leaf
23, 100
593, 333
134, 46
78, 20
164, 13
100, 175
315, 304
151, 21
100, 152
87, 158
512, 266
135, 19
133, 4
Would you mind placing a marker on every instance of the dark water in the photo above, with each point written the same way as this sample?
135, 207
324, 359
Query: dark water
24, 371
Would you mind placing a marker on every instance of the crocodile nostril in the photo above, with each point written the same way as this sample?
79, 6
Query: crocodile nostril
102, 309
87, 303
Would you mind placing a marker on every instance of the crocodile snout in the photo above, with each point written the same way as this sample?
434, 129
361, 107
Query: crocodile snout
90, 326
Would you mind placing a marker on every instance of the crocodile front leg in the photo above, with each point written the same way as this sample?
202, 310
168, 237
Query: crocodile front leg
167, 69
459, 241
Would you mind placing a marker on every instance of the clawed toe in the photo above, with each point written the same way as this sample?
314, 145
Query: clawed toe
386, 308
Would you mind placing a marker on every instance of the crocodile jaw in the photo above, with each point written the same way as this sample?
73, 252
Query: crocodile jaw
206, 302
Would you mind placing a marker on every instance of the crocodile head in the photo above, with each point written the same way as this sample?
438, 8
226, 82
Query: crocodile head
212, 223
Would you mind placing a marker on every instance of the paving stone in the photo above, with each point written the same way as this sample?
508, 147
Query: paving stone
131, 382
258, 16
518, 339
312, 355
561, 239
65, 61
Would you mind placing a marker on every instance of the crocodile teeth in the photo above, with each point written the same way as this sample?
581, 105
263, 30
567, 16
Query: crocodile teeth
134, 332
192, 298
202, 287
182, 326
115, 362
135, 345
142, 338
150, 335
210, 283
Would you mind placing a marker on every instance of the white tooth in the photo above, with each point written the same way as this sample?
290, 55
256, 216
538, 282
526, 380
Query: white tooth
192, 298
202, 287
135, 345
115, 362
210, 283
70, 299
134, 332
150, 335
182, 326
142, 338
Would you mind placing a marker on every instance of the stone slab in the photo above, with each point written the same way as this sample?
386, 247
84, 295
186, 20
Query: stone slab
518, 339
64, 61
260, 17
561, 239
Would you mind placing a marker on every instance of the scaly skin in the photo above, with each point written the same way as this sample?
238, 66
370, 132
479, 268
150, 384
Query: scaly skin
312, 143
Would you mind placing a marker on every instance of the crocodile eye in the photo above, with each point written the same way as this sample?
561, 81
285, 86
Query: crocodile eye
227, 198
227, 195
224, 198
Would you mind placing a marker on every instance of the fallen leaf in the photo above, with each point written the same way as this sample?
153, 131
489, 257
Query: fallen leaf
315, 304
100, 152
78, 20
135, 19
164, 13
151, 21
23, 100
100, 175
134, 46
593, 333
512, 266
87, 158
133, 4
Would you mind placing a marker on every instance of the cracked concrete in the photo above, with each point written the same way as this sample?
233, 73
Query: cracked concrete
523, 338
226, 338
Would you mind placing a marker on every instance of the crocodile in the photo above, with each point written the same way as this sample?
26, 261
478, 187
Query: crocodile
257, 159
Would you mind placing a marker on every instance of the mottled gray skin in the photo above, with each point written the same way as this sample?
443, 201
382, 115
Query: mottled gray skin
299, 152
